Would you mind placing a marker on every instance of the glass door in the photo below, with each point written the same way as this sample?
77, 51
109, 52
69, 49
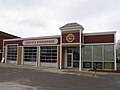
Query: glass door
76, 57
69, 60
73, 57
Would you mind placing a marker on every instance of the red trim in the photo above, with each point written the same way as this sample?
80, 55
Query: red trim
20, 42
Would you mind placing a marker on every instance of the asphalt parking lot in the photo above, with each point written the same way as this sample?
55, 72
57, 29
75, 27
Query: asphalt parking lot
12, 78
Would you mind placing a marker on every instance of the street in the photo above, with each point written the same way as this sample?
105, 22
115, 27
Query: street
30, 79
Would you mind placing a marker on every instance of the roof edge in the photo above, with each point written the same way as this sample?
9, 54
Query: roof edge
74, 27
99, 33
28, 38
10, 34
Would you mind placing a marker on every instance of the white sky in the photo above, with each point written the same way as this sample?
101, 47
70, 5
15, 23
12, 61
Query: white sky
32, 18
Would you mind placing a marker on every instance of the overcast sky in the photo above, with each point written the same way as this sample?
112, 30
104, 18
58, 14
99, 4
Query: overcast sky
31, 18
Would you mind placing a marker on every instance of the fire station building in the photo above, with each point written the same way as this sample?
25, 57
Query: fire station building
71, 49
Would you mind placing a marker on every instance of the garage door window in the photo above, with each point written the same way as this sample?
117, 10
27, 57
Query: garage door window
30, 54
48, 54
12, 52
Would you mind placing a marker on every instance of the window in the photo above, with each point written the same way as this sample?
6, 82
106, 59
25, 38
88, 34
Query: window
69, 50
87, 53
76, 54
30, 54
87, 65
97, 65
101, 56
12, 52
48, 54
97, 52
108, 65
109, 52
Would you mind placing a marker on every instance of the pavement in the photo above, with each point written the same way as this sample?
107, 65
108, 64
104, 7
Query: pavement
73, 71
28, 77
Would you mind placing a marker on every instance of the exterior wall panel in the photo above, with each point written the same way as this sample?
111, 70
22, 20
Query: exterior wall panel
99, 39
70, 45
58, 57
76, 34
1, 43
19, 42
4, 53
19, 56
63, 57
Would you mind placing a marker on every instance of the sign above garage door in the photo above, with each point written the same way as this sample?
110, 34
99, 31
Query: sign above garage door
40, 42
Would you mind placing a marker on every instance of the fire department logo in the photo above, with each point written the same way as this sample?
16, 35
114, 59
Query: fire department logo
70, 37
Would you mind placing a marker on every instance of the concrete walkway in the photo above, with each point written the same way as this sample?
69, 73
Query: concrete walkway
56, 70
15, 86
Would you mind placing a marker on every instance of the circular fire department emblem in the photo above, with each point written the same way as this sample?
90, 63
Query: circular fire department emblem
70, 37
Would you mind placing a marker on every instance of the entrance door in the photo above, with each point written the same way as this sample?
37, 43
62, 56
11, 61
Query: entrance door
70, 60
73, 57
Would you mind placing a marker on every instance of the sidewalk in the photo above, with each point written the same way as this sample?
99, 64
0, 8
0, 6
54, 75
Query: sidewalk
55, 70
